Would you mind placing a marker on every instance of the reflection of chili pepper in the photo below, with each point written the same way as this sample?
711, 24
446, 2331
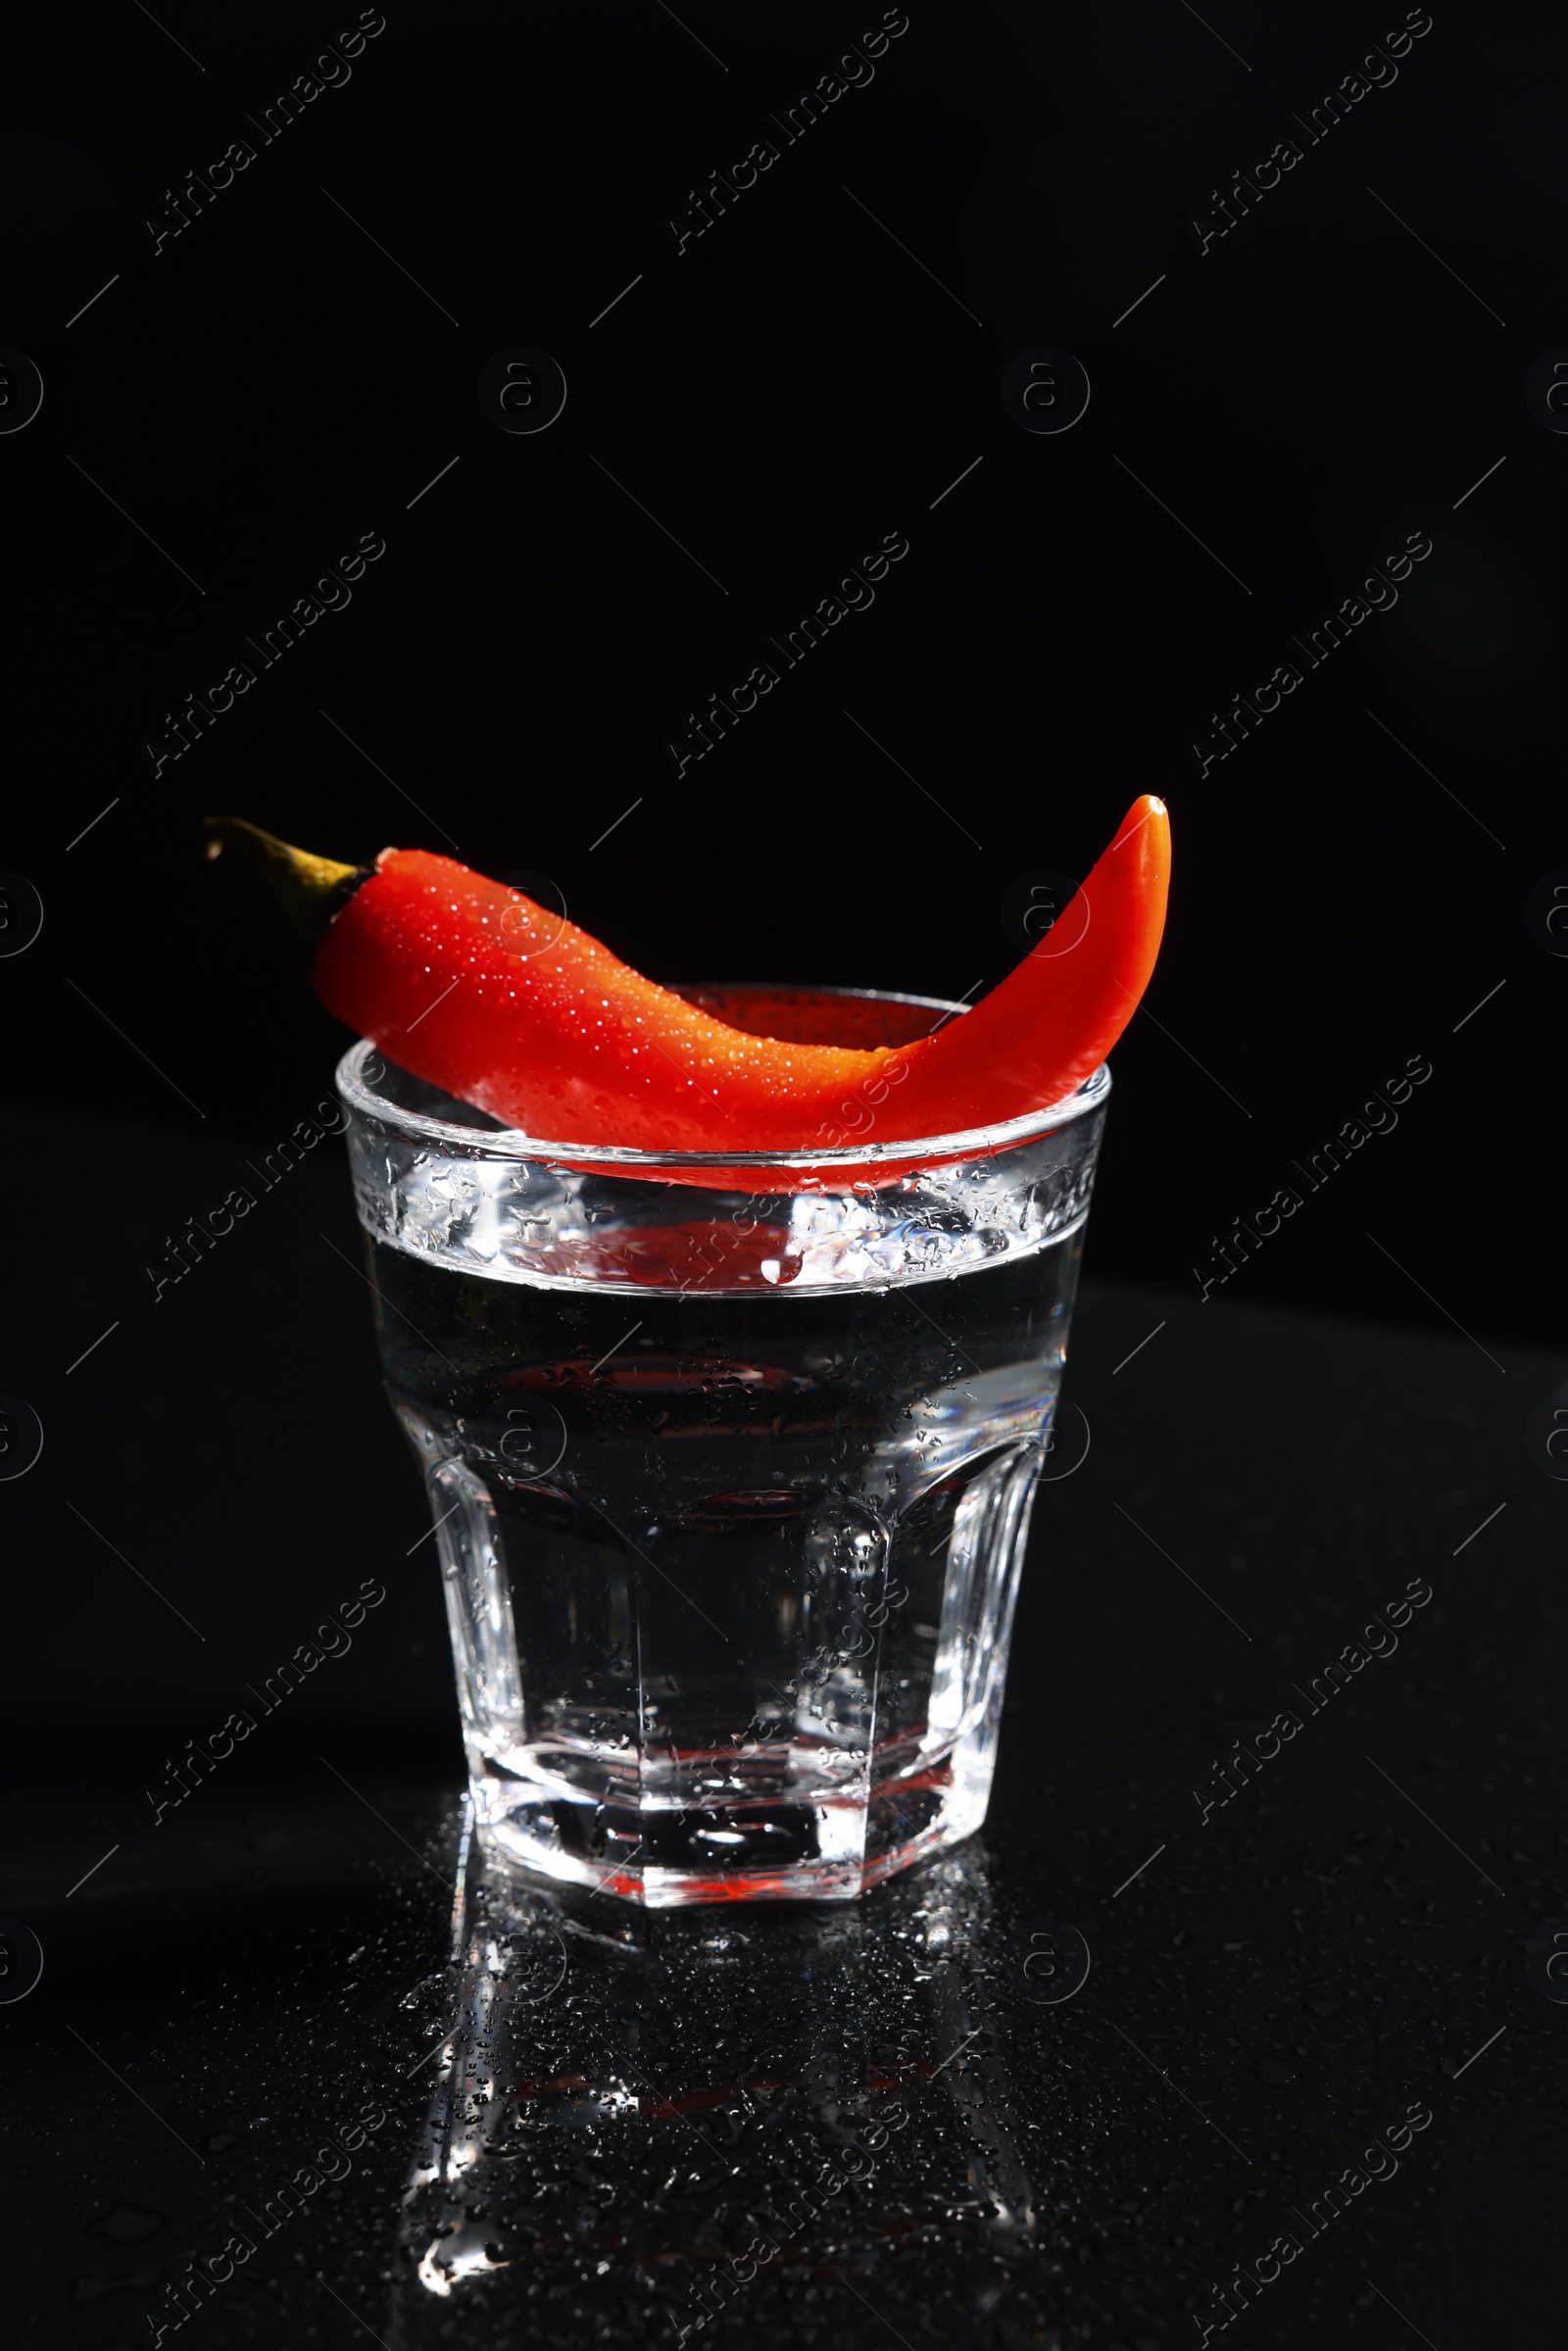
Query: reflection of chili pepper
471, 985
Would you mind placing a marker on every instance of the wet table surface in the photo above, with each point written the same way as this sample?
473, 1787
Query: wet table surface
302, 2069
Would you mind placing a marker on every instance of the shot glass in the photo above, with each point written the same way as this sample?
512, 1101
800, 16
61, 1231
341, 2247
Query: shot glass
730, 1461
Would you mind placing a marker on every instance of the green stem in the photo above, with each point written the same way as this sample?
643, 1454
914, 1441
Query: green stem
310, 890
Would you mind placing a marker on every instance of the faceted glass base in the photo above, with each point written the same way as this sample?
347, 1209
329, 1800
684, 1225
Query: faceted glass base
792, 1853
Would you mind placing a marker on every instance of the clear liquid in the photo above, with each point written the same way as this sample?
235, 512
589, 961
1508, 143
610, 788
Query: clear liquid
729, 1592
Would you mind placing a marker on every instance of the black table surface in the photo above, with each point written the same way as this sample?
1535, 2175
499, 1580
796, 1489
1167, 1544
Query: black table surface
1319, 2017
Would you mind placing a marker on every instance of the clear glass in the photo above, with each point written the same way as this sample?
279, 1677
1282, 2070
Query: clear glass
730, 1465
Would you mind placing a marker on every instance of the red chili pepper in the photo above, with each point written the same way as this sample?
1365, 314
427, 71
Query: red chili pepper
472, 986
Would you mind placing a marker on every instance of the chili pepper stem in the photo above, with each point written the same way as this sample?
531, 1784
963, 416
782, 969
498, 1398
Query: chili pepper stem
310, 890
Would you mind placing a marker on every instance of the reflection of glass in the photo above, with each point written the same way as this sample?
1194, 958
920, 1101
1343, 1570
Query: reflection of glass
731, 1483
635, 2122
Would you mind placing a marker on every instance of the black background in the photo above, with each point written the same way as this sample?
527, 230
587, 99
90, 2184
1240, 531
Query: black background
219, 1468
780, 395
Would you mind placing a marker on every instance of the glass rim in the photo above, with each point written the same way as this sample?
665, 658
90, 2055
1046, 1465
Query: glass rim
513, 1143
